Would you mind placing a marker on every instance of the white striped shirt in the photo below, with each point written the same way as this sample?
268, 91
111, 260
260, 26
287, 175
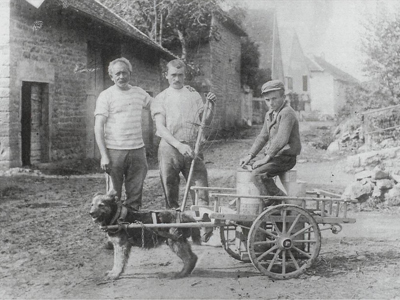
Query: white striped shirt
123, 109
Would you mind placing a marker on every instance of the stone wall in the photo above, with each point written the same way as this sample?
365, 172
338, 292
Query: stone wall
225, 69
45, 47
219, 63
4, 82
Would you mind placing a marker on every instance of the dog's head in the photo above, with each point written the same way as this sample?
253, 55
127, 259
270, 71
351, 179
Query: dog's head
103, 208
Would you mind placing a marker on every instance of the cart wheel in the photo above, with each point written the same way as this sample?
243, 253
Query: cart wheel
231, 241
284, 241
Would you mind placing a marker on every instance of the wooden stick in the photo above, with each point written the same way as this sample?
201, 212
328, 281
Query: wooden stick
196, 153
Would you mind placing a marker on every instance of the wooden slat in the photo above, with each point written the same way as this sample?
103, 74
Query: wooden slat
283, 198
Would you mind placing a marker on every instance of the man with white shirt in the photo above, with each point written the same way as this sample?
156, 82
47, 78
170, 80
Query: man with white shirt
118, 132
177, 113
281, 138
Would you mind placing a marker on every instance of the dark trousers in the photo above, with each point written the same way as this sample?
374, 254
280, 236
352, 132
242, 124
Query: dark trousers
263, 175
129, 166
172, 163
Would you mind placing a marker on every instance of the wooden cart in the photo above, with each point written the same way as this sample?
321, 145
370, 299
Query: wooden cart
284, 239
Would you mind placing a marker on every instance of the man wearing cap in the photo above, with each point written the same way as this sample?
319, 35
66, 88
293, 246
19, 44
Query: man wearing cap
281, 138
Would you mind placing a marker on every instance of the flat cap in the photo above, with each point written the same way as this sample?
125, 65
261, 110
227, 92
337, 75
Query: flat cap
273, 85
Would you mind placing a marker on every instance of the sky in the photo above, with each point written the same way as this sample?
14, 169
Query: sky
331, 28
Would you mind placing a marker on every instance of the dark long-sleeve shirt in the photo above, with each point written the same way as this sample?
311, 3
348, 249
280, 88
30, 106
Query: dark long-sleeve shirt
280, 134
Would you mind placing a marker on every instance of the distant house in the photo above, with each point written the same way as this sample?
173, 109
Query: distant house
53, 65
281, 55
261, 26
328, 86
295, 69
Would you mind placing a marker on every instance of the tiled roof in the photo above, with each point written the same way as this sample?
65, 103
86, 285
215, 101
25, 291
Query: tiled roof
98, 11
318, 63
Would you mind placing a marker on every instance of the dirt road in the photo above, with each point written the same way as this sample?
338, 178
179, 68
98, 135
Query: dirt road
51, 249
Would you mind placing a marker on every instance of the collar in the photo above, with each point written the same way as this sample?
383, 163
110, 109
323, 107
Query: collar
280, 108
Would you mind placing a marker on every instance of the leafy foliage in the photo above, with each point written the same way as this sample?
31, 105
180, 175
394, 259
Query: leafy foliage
249, 63
382, 47
172, 23
360, 98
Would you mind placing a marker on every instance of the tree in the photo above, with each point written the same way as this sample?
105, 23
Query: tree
170, 22
251, 74
381, 44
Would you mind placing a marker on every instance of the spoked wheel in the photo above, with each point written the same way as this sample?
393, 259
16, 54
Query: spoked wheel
284, 241
234, 241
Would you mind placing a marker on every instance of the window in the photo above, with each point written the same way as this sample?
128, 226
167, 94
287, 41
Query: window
289, 83
305, 83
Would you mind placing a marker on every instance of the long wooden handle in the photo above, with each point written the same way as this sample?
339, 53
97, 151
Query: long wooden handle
196, 153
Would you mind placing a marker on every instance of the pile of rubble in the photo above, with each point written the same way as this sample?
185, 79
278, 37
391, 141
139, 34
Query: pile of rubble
374, 188
348, 140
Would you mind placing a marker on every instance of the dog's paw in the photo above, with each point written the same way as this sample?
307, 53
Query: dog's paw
112, 275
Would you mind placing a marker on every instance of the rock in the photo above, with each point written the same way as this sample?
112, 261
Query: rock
358, 170
373, 157
393, 193
333, 147
358, 190
363, 174
387, 143
354, 161
363, 148
384, 184
373, 160
377, 192
379, 173
395, 177
345, 137
337, 131
392, 197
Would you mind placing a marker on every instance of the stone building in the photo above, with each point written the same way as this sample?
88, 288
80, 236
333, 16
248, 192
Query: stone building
53, 64
219, 62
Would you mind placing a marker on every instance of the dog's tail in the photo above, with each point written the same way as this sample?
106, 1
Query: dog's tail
196, 236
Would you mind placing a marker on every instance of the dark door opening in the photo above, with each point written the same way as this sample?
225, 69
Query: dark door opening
34, 123
26, 120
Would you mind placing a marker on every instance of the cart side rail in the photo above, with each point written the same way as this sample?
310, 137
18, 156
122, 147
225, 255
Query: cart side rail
334, 208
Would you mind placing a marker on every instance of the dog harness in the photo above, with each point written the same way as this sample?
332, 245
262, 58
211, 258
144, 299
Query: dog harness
120, 216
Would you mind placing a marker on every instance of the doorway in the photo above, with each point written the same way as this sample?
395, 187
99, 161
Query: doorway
34, 123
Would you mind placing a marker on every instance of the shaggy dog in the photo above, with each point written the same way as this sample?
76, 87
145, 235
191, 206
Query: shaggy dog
105, 210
